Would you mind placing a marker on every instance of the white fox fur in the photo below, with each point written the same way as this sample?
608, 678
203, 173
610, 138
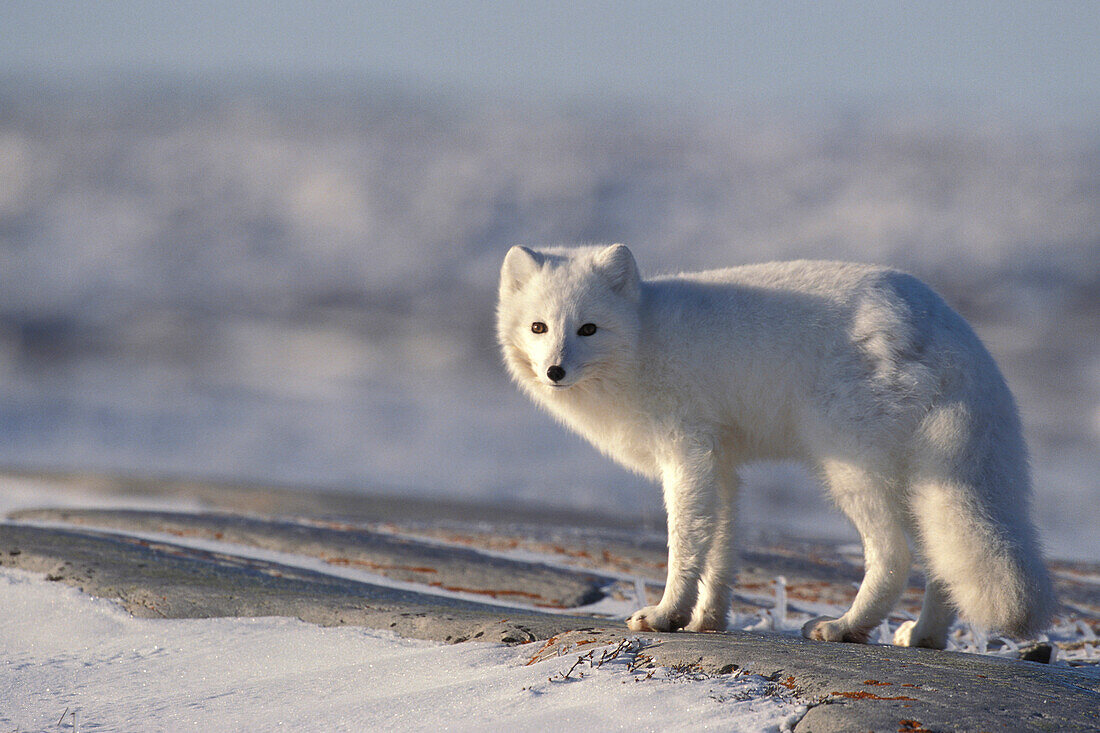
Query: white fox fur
862, 372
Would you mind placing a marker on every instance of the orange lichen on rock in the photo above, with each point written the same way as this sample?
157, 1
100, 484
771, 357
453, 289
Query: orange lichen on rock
378, 565
911, 726
864, 695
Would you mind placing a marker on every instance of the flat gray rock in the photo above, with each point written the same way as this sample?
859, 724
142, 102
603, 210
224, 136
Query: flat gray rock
159, 579
815, 571
888, 688
404, 559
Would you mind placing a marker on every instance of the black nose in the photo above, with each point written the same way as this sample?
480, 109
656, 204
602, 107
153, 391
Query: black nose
556, 373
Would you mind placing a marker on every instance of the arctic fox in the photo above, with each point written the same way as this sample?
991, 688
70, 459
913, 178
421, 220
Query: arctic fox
860, 371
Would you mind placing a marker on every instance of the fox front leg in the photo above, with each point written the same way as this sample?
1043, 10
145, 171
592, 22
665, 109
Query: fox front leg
691, 493
717, 579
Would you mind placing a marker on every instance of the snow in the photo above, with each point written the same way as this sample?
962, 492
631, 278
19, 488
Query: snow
86, 663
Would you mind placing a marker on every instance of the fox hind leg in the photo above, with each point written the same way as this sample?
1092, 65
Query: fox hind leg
936, 615
865, 497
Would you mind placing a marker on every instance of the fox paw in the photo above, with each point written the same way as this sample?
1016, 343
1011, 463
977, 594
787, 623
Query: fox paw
824, 628
707, 622
655, 618
907, 636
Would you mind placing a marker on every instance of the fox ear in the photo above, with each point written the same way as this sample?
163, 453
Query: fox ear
519, 265
617, 264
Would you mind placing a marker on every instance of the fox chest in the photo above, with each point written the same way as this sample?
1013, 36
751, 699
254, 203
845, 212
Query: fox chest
631, 437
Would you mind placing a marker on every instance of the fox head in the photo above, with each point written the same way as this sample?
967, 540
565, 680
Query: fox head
567, 320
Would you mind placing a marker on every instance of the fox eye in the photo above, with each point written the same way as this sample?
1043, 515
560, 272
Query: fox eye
538, 327
587, 329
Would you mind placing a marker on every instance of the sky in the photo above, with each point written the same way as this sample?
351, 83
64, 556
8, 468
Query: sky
1037, 59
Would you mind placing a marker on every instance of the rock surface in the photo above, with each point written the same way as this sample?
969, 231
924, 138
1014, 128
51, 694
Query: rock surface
436, 566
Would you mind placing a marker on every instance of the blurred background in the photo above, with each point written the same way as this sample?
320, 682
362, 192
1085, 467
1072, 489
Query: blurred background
259, 241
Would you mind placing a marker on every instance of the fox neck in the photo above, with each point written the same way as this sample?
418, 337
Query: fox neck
607, 411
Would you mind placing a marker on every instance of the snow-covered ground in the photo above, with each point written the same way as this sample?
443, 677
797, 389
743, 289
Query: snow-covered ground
71, 662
